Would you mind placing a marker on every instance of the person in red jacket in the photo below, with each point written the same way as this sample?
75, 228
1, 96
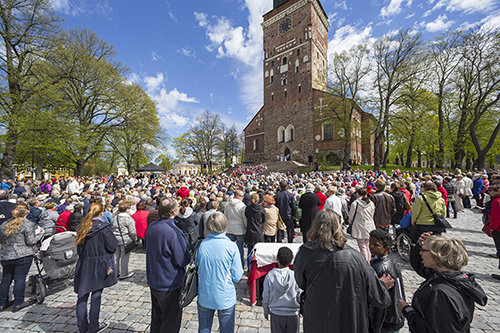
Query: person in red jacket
63, 219
183, 192
141, 217
494, 191
444, 193
322, 197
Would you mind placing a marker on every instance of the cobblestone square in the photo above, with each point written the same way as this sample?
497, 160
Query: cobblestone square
126, 307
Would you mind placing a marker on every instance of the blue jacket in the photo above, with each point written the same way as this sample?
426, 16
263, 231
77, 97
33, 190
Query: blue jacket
285, 201
477, 186
167, 254
219, 267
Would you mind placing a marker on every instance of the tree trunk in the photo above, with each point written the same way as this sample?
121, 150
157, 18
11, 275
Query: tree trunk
481, 160
79, 167
409, 152
419, 156
377, 148
468, 163
9, 154
459, 157
347, 152
440, 157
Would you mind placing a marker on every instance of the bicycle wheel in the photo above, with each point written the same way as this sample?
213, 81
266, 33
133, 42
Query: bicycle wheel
41, 290
403, 244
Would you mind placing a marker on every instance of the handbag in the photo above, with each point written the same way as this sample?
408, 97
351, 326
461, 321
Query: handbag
349, 228
281, 225
189, 289
302, 297
439, 220
130, 246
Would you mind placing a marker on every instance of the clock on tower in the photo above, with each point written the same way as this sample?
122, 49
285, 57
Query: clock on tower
285, 25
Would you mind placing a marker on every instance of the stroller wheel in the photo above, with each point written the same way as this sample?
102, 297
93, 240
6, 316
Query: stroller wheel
41, 290
403, 244
32, 284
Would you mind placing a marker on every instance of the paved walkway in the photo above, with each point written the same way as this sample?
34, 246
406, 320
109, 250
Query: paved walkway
127, 305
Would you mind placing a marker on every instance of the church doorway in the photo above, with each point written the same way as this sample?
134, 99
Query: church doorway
288, 156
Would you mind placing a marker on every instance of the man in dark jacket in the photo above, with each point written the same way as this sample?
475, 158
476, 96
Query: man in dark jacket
75, 218
385, 207
309, 203
6, 206
167, 255
285, 201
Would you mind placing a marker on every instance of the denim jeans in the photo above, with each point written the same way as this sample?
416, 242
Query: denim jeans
240, 241
17, 270
81, 312
206, 317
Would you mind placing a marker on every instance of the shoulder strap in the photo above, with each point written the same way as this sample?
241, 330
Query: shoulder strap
322, 268
355, 211
119, 230
427, 204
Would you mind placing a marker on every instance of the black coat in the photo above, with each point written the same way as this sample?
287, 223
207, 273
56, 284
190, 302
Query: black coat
338, 299
74, 221
309, 203
256, 216
444, 302
399, 200
6, 209
390, 318
188, 225
95, 268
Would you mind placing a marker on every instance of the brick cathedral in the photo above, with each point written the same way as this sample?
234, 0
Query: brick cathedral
295, 84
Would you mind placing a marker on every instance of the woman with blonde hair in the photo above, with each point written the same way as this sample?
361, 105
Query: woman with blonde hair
271, 221
95, 269
444, 302
18, 245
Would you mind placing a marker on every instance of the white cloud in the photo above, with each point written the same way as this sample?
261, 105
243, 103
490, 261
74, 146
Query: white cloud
132, 78
341, 5
439, 24
243, 44
60, 5
347, 37
155, 56
167, 102
492, 20
187, 52
470, 6
153, 82
393, 8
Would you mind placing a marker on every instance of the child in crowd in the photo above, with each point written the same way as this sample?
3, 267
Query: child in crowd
280, 295
390, 319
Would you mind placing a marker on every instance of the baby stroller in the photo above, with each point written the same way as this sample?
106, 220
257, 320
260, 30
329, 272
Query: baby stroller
403, 240
57, 256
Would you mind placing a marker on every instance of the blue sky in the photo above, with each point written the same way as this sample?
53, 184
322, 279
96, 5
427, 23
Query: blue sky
193, 55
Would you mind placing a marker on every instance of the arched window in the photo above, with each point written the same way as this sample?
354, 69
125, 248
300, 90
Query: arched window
272, 97
256, 144
285, 60
281, 134
271, 79
300, 88
289, 135
286, 93
283, 82
297, 66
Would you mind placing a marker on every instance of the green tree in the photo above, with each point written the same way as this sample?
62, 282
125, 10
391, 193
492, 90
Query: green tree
230, 145
347, 75
139, 125
27, 31
91, 91
165, 161
393, 67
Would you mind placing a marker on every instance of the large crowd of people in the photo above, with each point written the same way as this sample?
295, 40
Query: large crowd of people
170, 214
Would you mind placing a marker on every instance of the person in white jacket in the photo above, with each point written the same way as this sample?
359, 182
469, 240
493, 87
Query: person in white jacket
280, 295
361, 217
333, 202
237, 222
